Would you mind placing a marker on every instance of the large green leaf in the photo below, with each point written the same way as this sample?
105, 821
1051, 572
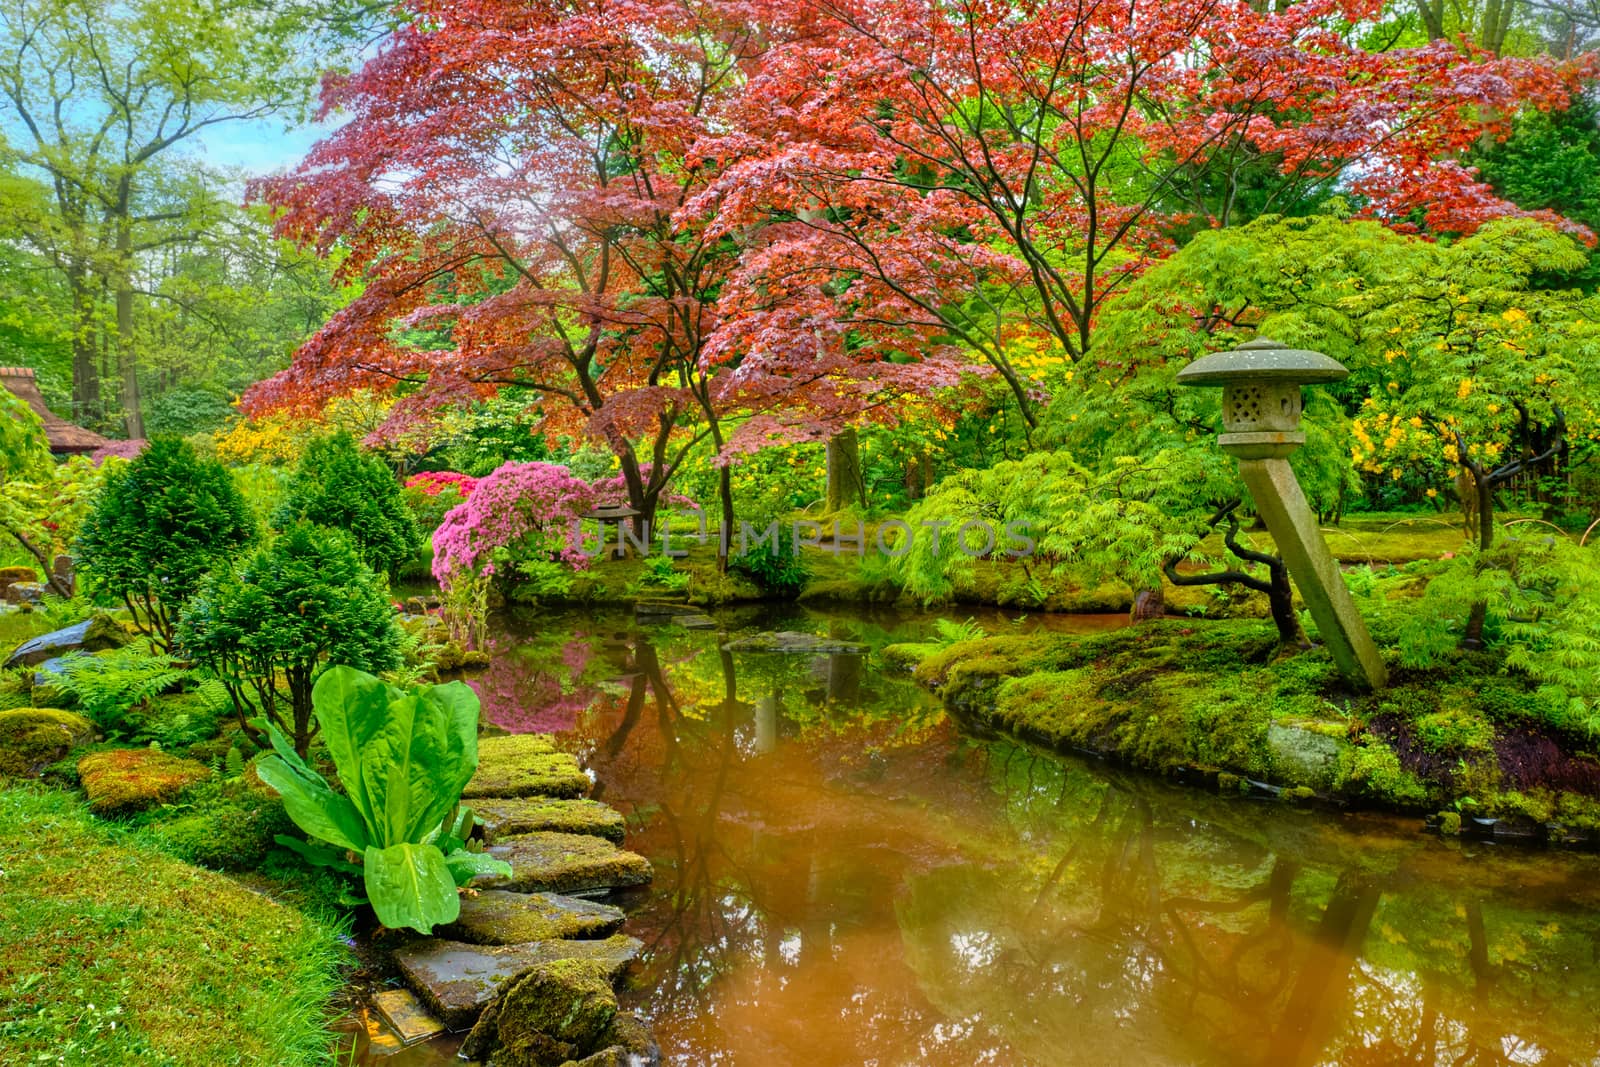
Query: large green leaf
313, 806
465, 866
415, 768
352, 710
411, 886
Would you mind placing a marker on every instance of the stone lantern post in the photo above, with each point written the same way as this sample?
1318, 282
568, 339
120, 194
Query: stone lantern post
1261, 407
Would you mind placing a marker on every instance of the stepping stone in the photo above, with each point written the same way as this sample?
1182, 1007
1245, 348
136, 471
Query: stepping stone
501, 818
525, 765
405, 1015
661, 607
455, 980
695, 622
498, 917
793, 642
564, 863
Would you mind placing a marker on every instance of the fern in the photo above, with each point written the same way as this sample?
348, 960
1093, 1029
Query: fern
949, 632
110, 685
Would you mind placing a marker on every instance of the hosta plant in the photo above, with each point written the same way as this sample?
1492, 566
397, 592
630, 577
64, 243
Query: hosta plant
403, 758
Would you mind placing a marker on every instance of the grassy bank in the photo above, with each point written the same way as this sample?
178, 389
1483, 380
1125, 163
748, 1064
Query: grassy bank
112, 952
1218, 702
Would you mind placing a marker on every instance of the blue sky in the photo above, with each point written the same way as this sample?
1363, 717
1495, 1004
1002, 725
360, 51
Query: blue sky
256, 147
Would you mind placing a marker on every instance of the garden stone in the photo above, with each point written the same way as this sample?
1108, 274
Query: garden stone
525, 765
99, 633
24, 593
660, 607
564, 863
1304, 755
126, 780
33, 738
410, 1021
523, 815
498, 917
546, 1017
49, 673
10, 576
631, 1044
695, 622
793, 642
457, 980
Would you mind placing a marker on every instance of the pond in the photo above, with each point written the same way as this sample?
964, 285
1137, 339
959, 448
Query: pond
845, 877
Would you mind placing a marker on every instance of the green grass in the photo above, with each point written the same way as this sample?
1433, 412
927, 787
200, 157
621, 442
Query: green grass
113, 953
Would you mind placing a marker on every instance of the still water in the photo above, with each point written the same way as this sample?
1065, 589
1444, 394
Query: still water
845, 877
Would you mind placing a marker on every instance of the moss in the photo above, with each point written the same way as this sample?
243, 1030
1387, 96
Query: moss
33, 738
1376, 774
524, 765
907, 655
1450, 823
553, 1013
521, 815
125, 780
191, 968
1458, 729
227, 826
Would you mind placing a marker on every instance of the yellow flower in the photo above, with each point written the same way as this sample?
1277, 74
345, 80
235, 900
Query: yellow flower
1432, 493
1464, 390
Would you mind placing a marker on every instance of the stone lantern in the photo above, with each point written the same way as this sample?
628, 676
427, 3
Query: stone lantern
1261, 406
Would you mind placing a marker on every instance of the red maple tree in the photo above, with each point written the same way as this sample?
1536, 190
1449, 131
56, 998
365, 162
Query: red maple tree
995, 172
516, 187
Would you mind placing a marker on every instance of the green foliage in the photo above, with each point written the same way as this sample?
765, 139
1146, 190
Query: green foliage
661, 573
158, 527
778, 571
949, 632
186, 411
226, 822
1550, 161
403, 759
337, 485
268, 627
106, 687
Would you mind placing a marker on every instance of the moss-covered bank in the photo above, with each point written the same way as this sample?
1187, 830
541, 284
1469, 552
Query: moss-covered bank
112, 952
1219, 703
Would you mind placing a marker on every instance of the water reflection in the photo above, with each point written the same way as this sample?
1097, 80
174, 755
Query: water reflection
843, 878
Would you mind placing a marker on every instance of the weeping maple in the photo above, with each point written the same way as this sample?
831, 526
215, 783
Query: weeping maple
516, 188
995, 172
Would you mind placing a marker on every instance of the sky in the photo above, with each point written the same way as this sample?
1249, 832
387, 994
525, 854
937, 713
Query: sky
256, 148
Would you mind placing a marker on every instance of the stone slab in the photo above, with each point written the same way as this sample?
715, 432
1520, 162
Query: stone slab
525, 815
406, 1016
525, 765
500, 917
793, 642
456, 980
564, 863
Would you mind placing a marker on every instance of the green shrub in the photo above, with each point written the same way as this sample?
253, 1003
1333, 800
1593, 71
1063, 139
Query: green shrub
779, 572
158, 527
228, 822
188, 411
337, 485
404, 758
269, 627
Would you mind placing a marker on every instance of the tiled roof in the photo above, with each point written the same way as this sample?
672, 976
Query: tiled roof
64, 437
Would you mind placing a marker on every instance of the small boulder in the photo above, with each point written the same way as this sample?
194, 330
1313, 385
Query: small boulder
24, 593
98, 633
10, 576
457, 980
549, 1015
1309, 754
126, 780
33, 738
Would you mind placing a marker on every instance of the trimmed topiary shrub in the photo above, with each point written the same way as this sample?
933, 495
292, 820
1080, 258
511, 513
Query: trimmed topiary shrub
338, 486
270, 627
157, 528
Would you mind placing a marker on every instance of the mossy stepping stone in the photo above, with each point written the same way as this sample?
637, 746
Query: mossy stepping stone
125, 780
457, 980
564, 863
525, 815
498, 917
525, 765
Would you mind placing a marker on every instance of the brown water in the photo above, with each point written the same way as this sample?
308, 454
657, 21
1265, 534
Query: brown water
844, 878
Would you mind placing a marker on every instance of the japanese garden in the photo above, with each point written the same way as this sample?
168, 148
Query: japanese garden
738, 533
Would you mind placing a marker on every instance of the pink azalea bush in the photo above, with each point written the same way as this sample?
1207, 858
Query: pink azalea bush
432, 483
613, 491
522, 511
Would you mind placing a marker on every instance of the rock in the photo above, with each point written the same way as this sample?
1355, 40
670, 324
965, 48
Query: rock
660, 607
524, 815
24, 593
629, 1044
33, 738
126, 780
498, 917
546, 1017
406, 1016
524, 765
793, 642
1304, 755
564, 863
422, 605
10, 576
695, 622
95, 634
48, 673
456, 980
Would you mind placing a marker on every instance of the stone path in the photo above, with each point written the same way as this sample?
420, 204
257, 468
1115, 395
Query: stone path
532, 801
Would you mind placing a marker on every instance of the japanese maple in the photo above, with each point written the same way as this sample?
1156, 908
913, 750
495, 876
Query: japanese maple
995, 172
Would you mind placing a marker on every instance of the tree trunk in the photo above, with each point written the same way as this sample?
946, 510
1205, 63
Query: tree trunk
1281, 600
127, 356
845, 485
85, 345
1472, 637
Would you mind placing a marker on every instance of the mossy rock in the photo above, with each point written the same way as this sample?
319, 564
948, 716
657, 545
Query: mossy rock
551, 1014
233, 830
564, 863
522, 815
31, 739
9, 575
525, 765
496, 917
125, 780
